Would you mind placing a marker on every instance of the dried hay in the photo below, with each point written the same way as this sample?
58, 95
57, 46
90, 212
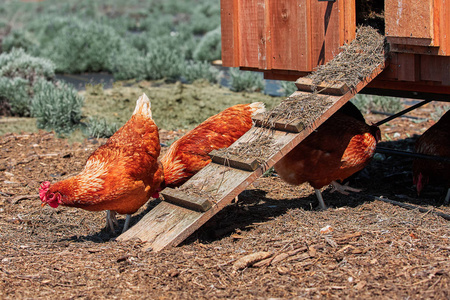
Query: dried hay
356, 61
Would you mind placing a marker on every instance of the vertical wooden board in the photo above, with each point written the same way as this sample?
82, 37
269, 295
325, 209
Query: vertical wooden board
324, 31
264, 41
445, 65
349, 16
230, 33
444, 28
248, 33
408, 67
289, 33
409, 18
431, 67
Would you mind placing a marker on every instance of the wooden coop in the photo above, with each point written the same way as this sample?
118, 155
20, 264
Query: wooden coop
288, 40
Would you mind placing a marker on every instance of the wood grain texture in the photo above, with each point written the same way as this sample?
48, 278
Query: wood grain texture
230, 33
337, 88
281, 125
234, 161
410, 18
185, 200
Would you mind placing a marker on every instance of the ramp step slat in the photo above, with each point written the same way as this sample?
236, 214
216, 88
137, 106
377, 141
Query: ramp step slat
188, 201
306, 84
281, 124
233, 161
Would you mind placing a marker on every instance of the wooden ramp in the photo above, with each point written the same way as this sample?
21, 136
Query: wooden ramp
187, 208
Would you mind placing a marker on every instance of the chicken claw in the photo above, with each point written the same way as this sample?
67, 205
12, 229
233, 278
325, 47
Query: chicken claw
343, 189
111, 220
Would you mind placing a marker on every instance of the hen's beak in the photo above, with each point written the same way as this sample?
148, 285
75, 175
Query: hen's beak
43, 204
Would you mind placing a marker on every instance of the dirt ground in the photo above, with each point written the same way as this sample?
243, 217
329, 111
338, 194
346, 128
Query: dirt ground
373, 249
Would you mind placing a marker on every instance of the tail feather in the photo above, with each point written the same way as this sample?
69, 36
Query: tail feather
143, 106
257, 108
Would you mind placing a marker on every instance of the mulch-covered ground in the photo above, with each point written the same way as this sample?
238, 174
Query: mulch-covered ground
358, 248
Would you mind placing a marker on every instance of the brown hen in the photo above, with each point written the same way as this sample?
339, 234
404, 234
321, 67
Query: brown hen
340, 147
120, 175
434, 141
189, 154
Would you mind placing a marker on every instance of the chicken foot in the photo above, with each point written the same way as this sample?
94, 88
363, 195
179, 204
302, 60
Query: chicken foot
320, 198
111, 220
344, 189
112, 223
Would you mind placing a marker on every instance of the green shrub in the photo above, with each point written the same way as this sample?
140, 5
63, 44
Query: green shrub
83, 47
20, 38
246, 81
127, 64
204, 18
209, 48
17, 63
368, 103
201, 70
100, 128
56, 107
287, 88
15, 96
18, 74
163, 60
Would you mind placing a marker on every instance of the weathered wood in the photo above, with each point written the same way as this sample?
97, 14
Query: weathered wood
410, 18
161, 227
189, 201
168, 225
337, 88
230, 33
284, 35
234, 161
282, 124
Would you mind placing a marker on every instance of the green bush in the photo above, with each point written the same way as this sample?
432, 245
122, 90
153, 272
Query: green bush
15, 96
127, 64
201, 70
163, 60
18, 74
82, 47
20, 38
287, 88
246, 81
100, 128
209, 48
56, 107
368, 103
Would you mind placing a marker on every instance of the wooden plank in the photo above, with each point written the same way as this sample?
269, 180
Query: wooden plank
324, 31
281, 124
431, 67
178, 197
166, 220
444, 28
168, 225
419, 86
234, 161
349, 17
337, 88
289, 29
264, 41
408, 67
410, 19
428, 50
230, 33
248, 33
